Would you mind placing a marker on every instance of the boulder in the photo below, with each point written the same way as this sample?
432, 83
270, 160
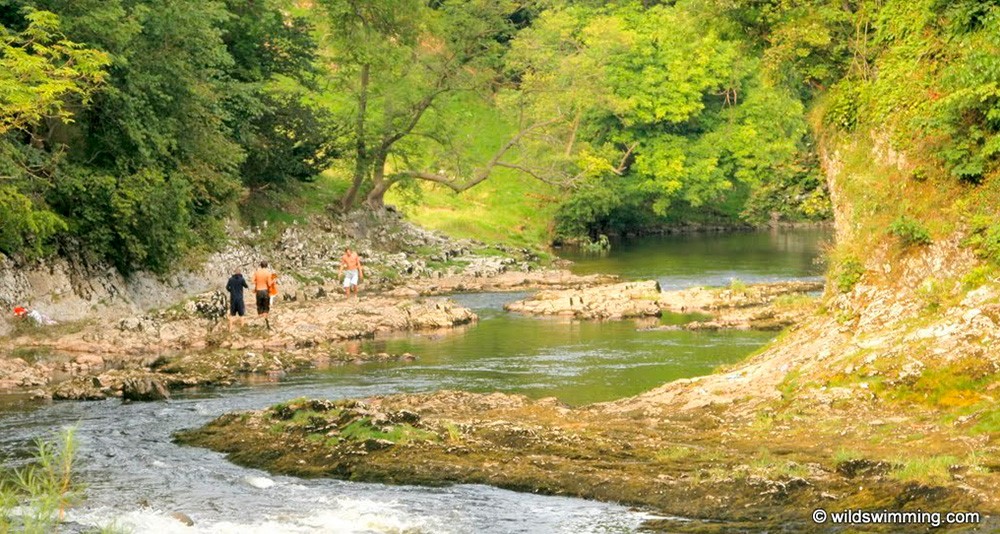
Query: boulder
79, 388
145, 388
183, 518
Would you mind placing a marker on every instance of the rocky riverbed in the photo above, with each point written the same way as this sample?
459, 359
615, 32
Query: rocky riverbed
93, 360
306, 256
190, 344
111, 329
732, 471
759, 306
177, 348
884, 399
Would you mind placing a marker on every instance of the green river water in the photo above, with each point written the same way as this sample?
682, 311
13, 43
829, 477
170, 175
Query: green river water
592, 361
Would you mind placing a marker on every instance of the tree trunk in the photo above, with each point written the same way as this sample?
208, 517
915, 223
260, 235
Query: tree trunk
572, 134
361, 148
376, 197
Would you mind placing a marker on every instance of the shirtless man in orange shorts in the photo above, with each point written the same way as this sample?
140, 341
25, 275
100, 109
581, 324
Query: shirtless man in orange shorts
261, 287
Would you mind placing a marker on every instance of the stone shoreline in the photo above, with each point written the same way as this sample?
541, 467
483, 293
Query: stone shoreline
177, 349
92, 360
718, 471
760, 306
189, 345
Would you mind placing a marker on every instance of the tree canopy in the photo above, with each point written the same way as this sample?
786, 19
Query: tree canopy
130, 129
130, 138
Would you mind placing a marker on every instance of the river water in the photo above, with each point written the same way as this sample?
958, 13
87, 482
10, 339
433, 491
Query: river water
136, 477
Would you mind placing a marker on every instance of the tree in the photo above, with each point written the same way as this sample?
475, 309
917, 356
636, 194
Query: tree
399, 63
155, 157
41, 73
659, 105
290, 140
42, 76
274, 56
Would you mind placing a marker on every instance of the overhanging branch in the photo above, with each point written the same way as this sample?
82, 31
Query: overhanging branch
458, 186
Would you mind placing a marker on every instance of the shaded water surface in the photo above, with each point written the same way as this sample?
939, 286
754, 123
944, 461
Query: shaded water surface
136, 476
693, 259
577, 361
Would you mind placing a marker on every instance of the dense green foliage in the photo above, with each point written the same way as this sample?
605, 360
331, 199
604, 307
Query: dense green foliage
129, 129
661, 109
131, 140
399, 65
926, 72
40, 74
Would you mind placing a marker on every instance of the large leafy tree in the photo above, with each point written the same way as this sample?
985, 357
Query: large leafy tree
159, 154
923, 72
272, 76
43, 76
656, 106
399, 64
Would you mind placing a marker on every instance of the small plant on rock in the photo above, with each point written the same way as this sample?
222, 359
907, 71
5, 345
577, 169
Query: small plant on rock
984, 238
849, 274
738, 286
910, 231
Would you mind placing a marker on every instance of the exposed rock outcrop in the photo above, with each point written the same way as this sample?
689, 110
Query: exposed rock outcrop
118, 358
754, 306
703, 465
144, 388
307, 256
506, 280
616, 301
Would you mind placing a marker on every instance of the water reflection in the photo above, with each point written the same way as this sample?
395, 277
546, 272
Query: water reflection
685, 260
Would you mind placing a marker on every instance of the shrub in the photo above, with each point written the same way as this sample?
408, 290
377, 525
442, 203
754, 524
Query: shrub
137, 221
984, 238
977, 277
848, 274
934, 292
842, 107
25, 229
910, 231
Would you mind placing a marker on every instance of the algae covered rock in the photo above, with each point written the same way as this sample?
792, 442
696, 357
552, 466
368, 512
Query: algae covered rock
311, 436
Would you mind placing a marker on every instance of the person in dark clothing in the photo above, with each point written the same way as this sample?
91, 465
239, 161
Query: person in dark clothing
237, 307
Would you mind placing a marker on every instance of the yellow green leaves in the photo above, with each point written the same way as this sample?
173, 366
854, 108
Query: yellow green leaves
40, 72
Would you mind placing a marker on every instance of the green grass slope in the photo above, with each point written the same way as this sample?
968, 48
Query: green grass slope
510, 206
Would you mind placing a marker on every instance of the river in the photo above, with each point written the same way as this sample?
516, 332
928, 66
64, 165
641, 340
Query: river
135, 475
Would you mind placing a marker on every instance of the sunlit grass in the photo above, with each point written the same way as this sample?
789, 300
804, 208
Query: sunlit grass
926, 470
508, 207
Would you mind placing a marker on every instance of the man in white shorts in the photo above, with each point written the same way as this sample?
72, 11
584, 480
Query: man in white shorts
351, 269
